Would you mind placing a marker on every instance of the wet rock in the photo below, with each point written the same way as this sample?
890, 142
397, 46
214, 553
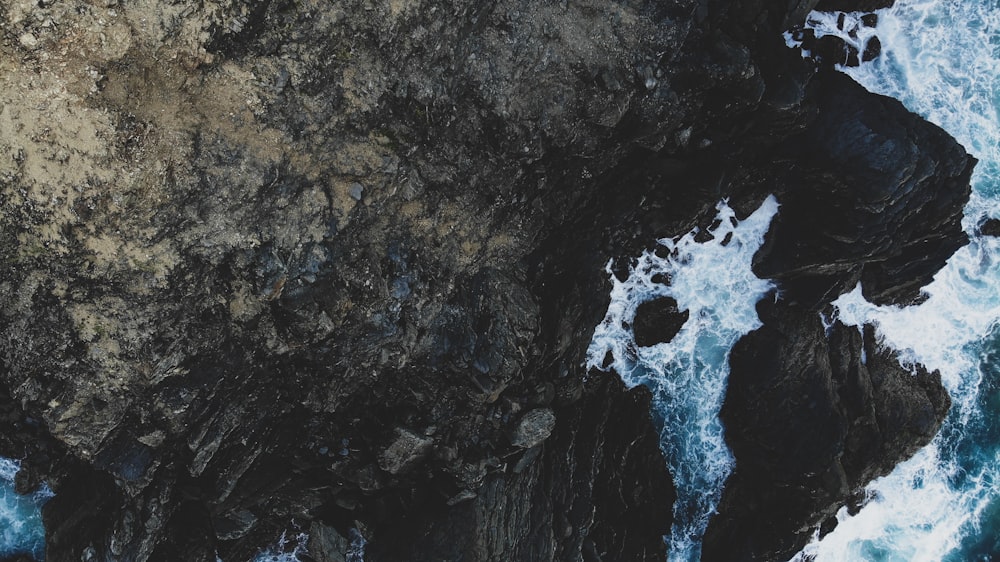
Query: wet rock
533, 428
542, 511
853, 5
990, 227
831, 50
658, 321
848, 412
902, 206
873, 48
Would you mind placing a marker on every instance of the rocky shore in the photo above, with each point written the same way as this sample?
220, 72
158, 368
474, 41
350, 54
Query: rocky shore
279, 266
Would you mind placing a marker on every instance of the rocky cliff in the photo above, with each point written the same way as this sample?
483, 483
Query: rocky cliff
282, 264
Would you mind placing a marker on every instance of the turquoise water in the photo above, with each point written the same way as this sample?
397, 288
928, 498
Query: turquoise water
21, 528
942, 60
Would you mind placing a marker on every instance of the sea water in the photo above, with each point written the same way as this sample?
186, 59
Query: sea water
942, 60
714, 282
21, 530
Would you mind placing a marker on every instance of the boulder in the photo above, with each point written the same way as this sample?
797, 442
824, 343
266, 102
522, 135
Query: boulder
534, 428
658, 321
405, 451
990, 227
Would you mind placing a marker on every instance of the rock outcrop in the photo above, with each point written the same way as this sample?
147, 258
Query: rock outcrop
841, 412
335, 265
658, 321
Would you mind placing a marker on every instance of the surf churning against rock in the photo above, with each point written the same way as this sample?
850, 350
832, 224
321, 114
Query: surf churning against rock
21, 530
942, 60
714, 282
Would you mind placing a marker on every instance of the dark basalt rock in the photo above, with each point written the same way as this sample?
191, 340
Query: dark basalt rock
853, 5
878, 199
316, 262
990, 227
847, 413
658, 321
595, 462
873, 48
830, 50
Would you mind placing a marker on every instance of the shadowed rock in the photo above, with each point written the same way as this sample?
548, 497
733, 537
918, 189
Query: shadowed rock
990, 227
658, 321
811, 420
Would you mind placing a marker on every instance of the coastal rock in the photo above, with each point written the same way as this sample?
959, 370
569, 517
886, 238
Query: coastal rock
326, 544
658, 321
899, 185
848, 412
853, 5
534, 427
307, 261
598, 485
406, 450
990, 227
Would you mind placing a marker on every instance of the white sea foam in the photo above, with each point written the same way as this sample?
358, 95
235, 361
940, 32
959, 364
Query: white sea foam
21, 529
291, 549
286, 549
846, 25
714, 282
941, 59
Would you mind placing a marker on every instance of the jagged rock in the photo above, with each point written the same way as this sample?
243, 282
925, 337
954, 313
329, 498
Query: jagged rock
534, 427
852, 5
831, 50
233, 525
406, 450
873, 48
658, 321
899, 206
599, 484
326, 544
811, 421
869, 20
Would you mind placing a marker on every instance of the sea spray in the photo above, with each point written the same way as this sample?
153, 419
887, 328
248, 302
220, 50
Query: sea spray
285, 549
293, 548
942, 60
21, 529
714, 282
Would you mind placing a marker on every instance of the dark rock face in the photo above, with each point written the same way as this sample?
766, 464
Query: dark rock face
542, 509
658, 321
872, 204
841, 412
990, 227
852, 5
339, 263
